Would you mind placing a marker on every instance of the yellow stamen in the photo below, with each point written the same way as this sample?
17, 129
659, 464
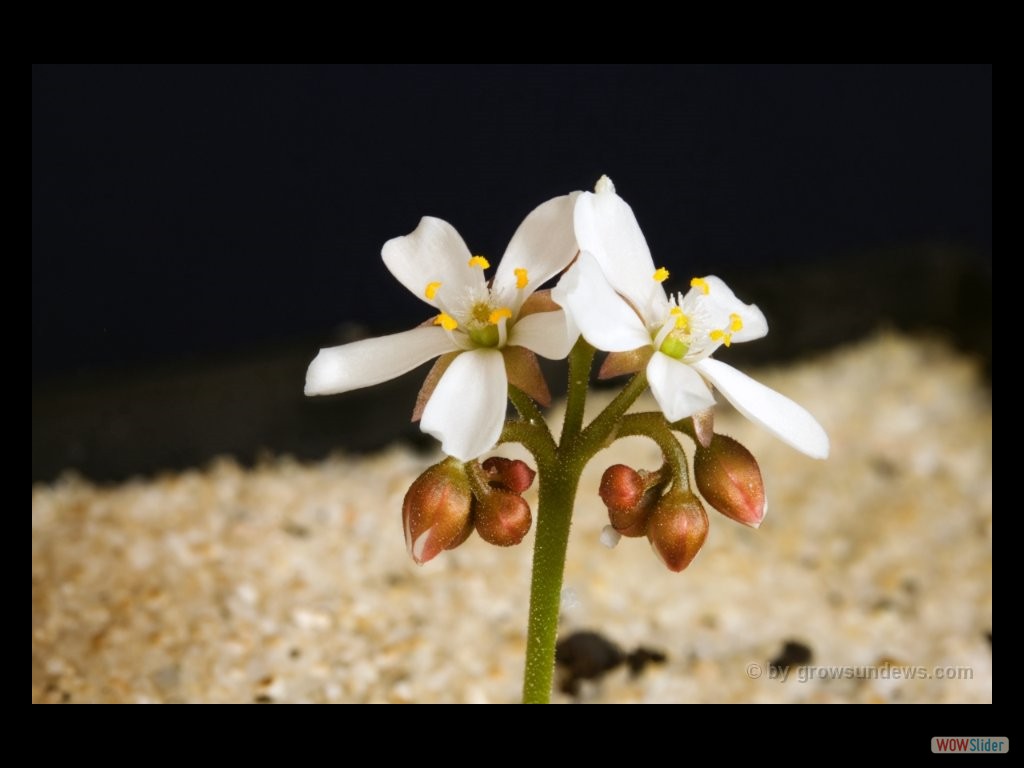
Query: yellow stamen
522, 277
431, 290
479, 261
498, 314
700, 282
660, 275
682, 321
446, 321
722, 336
735, 322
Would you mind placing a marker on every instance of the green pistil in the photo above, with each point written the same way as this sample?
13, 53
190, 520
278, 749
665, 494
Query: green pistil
674, 347
484, 336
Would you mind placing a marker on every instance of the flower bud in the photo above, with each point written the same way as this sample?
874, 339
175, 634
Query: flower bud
436, 513
677, 529
508, 474
621, 488
729, 479
630, 496
502, 518
467, 529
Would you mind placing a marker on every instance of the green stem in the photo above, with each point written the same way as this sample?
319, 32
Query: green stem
686, 427
526, 407
654, 426
559, 478
581, 359
554, 518
536, 440
601, 429
531, 430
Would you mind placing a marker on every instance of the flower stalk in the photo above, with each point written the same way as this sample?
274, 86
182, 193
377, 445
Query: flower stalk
559, 479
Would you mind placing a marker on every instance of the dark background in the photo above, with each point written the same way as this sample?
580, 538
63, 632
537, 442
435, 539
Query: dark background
198, 232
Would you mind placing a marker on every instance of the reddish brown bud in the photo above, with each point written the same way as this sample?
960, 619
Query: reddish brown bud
467, 529
436, 513
729, 479
621, 488
502, 518
508, 474
630, 496
677, 529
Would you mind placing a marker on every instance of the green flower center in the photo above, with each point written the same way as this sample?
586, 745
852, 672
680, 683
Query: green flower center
674, 347
483, 324
484, 336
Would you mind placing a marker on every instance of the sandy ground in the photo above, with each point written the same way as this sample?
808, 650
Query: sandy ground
290, 582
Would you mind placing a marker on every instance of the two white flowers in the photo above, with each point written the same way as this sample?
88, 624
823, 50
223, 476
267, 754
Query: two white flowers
486, 334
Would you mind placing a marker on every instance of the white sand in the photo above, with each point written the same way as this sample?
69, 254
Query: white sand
290, 583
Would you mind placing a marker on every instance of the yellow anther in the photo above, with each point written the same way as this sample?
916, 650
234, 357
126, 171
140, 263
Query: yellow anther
660, 275
700, 282
682, 321
722, 336
735, 322
522, 277
431, 290
446, 321
498, 314
479, 261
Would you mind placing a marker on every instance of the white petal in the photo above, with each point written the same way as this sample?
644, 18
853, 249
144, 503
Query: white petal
432, 253
549, 334
604, 318
755, 326
778, 414
679, 390
371, 361
607, 228
467, 410
543, 245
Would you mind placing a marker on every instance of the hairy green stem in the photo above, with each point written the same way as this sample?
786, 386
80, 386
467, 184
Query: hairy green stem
603, 428
559, 478
537, 440
554, 518
686, 427
528, 409
654, 426
581, 360
531, 430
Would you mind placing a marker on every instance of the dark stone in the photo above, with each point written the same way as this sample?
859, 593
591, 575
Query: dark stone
794, 654
588, 655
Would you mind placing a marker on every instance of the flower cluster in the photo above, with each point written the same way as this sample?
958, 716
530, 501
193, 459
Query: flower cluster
447, 502
486, 334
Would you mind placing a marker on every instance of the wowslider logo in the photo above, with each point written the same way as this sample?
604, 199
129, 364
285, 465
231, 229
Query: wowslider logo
975, 744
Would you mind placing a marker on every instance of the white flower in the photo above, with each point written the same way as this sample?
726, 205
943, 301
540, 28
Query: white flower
478, 329
614, 295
